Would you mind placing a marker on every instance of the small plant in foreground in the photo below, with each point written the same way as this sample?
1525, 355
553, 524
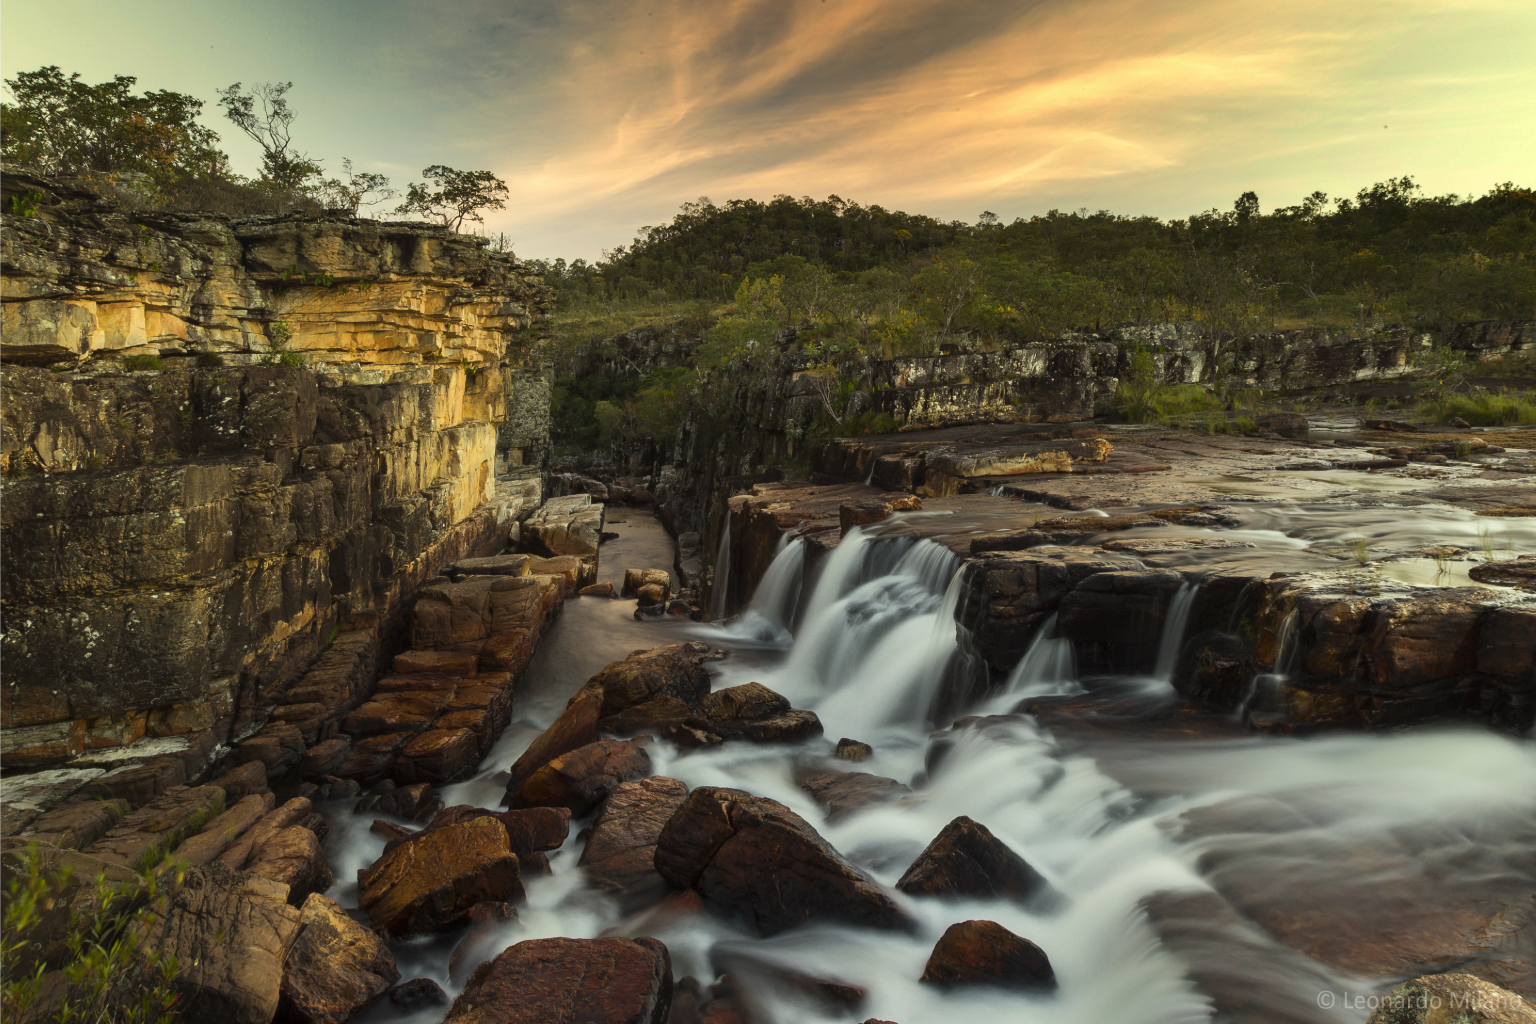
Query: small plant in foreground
1358, 550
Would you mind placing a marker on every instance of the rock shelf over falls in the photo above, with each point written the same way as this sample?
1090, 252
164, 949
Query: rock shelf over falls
988, 720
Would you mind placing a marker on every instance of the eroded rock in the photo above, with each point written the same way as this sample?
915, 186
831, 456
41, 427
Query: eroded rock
620, 855
431, 882
966, 860
570, 981
336, 967
986, 953
581, 778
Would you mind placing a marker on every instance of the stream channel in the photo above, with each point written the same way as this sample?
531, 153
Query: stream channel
1138, 833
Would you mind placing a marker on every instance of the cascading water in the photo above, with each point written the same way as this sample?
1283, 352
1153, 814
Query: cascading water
719, 587
1128, 830
771, 615
1173, 631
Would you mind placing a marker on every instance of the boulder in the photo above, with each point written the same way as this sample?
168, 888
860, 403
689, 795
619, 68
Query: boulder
874, 510
290, 814
417, 994
248, 778
754, 860
487, 922
842, 793
1520, 572
754, 712
576, 727
370, 758
853, 750
966, 860
620, 855
1452, 999
295, 858
674, 671
336, 967
651, 595
530, 830
325, 757
565, 526
986, 953
570, 981
430, 883
635, 579
230, 934
598, 590
159, 825
415, 802
397, 711
581, 778
440, 755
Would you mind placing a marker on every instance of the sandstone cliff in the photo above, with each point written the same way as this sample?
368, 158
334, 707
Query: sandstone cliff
225, 442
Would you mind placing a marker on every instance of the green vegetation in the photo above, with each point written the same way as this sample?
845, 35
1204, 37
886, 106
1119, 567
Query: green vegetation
135, 364
92, 935
1482, 408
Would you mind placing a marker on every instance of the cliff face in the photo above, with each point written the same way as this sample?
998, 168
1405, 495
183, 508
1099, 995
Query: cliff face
180, 542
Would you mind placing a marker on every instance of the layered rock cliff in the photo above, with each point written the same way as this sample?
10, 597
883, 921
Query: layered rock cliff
231, 444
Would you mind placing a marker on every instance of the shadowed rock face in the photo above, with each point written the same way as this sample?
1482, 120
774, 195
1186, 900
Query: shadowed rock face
335, 969
620, 855
986, 953
581, 779
570, 981
756, 861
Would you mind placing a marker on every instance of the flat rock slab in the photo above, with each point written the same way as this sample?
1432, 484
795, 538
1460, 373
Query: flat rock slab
430, 883
570, 981
843, 793
159, 825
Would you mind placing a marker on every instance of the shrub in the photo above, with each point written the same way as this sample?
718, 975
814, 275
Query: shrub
1482, 409
137, 363
93, 935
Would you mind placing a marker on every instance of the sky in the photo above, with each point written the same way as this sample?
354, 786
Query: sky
605, 116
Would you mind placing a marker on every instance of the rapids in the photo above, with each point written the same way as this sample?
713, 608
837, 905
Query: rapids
1133, 831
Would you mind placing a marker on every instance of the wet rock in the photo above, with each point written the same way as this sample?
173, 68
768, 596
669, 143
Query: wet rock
966, 860
230, 934
581, 778
874, 510
842, 793
370, 758
1458, 423
1424, 638
1452, 999
415, 802
754, 712
598, 590
293, 857
418, 993
853, 750
487, 922
159, 825
576, 727
674, 671
530, 830
570, 981
397, 711
336, 967
651, 596
431, 882
752, 973
391, 832
1521, 572
575, 572
636, 579
756, 861
986, 953
620, 855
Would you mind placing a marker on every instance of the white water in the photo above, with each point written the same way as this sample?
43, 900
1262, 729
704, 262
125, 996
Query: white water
1110, 823
719, 587
1173, 631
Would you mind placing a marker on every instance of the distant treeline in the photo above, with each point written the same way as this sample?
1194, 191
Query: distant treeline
1388, 251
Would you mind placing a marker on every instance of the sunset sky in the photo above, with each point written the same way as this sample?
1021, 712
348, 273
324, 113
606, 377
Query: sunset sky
605, 116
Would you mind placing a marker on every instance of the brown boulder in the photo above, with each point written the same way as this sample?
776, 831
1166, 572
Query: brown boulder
325, 757
576, 727
295, 858
620, 855
415, 802
249, 778
874, 510
1452, 999
755, 860
1521, 573
581, 778
289, 815
598, 590
853, 750
651, 595
986, 953
75, 826
570, 981
635, 579
966, 860
431, 882
754, 712
220, 833
336, 967
842, 793
674, 671
230, 934
370, 758
530, 830
439, 755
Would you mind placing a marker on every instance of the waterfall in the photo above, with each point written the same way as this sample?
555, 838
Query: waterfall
1049, 666
1173, 631
719, 586
769, 619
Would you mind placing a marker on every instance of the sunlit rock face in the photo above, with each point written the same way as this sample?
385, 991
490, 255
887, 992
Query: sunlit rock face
230, 444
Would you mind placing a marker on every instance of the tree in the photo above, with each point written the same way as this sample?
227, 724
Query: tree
352, 194
60, 125
270, 128
460, 195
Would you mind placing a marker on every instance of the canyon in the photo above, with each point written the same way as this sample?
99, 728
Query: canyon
1010, 713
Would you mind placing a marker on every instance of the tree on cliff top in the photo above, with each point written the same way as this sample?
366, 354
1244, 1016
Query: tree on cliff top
264, 115
460, 196
62, 125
